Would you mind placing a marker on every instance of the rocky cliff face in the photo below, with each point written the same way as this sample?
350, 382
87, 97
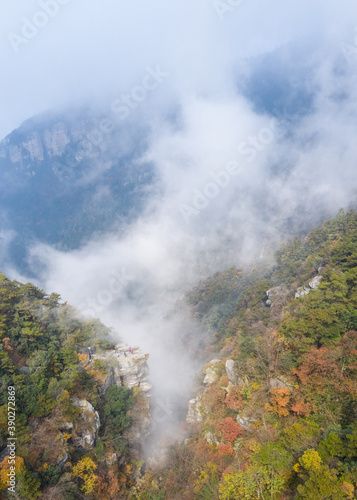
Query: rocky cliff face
88, 425
50, 139
128, 366
196, 409
304, 290
68, 176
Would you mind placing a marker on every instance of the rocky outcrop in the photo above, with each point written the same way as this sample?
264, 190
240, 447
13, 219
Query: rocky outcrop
64, 455
230, 370
109, 381
277, 383
315, 282
276, 296
87, 425
300, 292
127, 366
277, 300
211, 372
246, 422
52, 141
194, 414
56, 139
211, 438
304, 290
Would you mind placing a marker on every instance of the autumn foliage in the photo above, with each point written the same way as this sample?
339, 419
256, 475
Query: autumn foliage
225, 450
233, 400
230, 429
5, 469
85, 471
279, 402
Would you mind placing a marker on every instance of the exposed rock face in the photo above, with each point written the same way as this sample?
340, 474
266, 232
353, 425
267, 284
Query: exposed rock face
109, 381
277, 383
211, 372
315, 282
88, 425
194, 414
56, 139
300, 292
231, 374
111, 458
276, 296
211, 438
50, 142
64, 456
246, 422
128, 367
277, 299
304, 290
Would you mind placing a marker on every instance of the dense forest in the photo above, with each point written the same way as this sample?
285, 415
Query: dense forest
45, 369
275, 407
277, 417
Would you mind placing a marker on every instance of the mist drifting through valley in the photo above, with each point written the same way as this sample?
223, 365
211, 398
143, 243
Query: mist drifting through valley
249, 126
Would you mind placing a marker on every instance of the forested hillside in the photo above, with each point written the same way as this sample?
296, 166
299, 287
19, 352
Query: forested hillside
66, 177
70, 415
274, 412
275, 415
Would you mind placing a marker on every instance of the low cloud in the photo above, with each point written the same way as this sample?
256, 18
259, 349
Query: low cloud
235, 177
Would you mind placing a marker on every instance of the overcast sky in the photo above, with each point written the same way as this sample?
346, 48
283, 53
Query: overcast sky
86, 50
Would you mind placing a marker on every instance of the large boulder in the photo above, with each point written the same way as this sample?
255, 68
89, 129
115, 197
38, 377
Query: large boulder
276, 296
300, 292
277, 383
210, 438
315, 282
230, 370
211, 372
87, 425
304, 290
128, 367
246, 422
194, 414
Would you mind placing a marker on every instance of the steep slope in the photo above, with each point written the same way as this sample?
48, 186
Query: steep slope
275, 414
65, 177
74, 407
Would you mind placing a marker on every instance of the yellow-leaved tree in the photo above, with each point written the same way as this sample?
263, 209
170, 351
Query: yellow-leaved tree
5, 469
84, 469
